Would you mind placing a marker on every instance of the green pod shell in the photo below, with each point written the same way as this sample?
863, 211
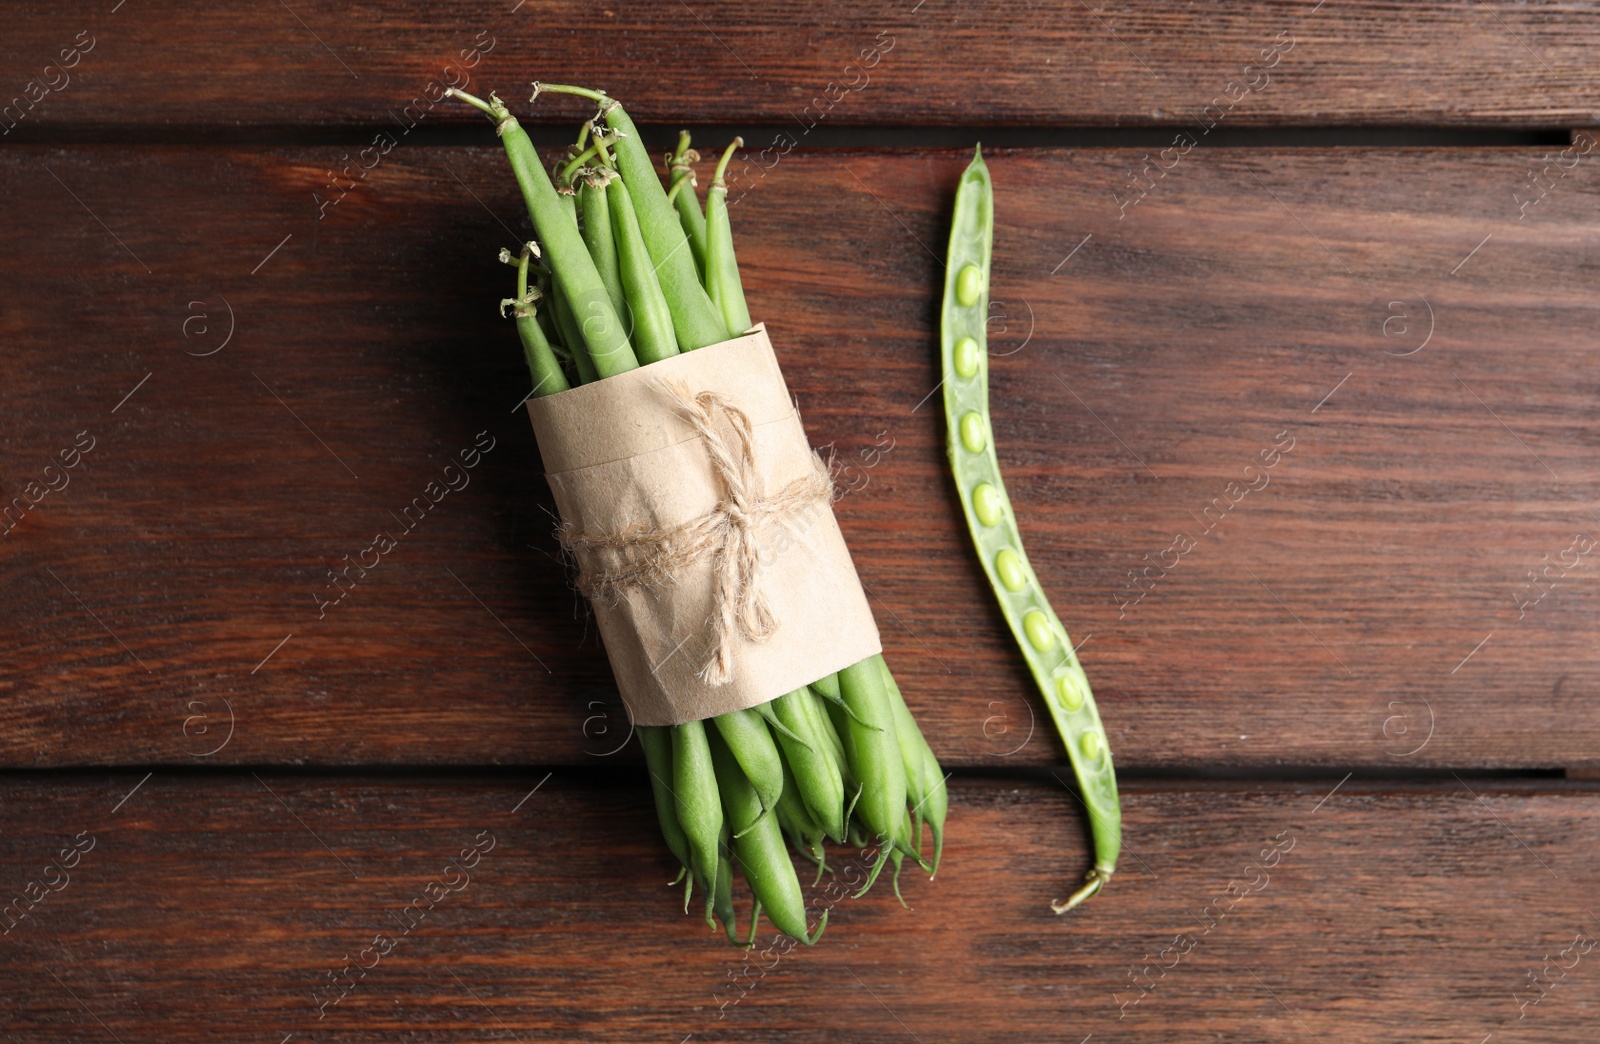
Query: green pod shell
793, 816
721, 897
758, 842
1038, 632
721, 265
547, 316
827, 690
750, 741
812, 760
653, 338
543, 366
872, 749
695, 320
823, 714
555, 217
572, 337
687, 204
778, 727
796, 820
699, 807
597, 235
909, 738
925, 781
541, 358
657, 744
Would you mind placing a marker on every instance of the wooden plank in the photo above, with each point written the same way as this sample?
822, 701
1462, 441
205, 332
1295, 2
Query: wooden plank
214, 906
1361, 609
931, 62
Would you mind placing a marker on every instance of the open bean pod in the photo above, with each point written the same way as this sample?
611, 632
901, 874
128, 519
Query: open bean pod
993, 525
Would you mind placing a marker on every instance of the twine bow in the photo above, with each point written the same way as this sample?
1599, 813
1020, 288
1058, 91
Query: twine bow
641, 556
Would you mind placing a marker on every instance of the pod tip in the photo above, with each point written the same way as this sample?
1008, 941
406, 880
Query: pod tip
1094, 880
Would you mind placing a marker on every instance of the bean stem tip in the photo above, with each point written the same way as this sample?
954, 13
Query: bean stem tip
722, 165
1093, 881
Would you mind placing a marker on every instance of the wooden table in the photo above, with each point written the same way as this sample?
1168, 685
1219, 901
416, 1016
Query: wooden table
1357, 724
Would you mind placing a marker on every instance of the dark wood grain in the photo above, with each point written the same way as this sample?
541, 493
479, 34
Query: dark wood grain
236, 373
1359, 610
155, 65
212, 907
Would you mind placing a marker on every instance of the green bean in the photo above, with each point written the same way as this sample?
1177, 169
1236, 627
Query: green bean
575, 272
796, 821
925, 780
839, 759
935, 803
810, 755
695, 320
547, 323
758, 841
778, 728
567, 196
912, 830
653, 335
898, 858
680, 174
542, 364
1040, 635
547, 317
908, 742
821, 714
572, 337
871, 748
909, 841
748, 737
657, 744
695, 797
901, 850
755, 926
596, 229
827, 689
817, 707
722, 892
722, 270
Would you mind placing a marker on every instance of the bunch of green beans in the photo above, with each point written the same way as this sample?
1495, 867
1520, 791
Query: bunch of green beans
626, 273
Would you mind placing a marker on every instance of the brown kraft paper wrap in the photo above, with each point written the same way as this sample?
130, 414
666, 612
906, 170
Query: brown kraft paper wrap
701, 523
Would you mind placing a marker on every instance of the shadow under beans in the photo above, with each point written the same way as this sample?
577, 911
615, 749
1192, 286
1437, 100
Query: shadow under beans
470, 360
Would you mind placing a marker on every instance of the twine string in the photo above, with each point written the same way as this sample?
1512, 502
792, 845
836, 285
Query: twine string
643, 556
